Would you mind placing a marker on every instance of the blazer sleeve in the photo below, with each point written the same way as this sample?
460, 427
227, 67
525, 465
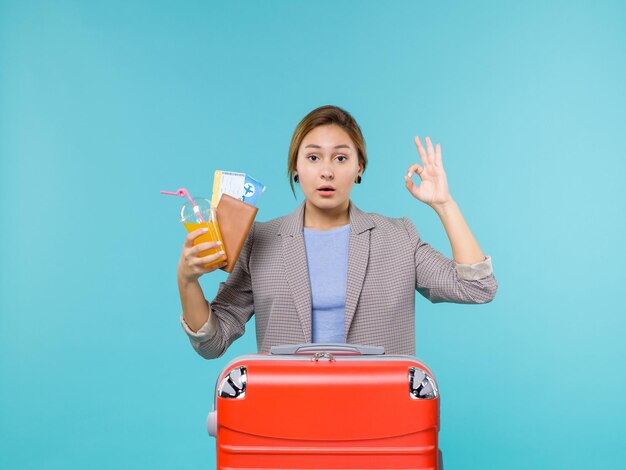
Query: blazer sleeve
441, 279
231, 309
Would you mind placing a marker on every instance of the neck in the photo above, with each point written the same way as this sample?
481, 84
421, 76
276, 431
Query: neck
325, 219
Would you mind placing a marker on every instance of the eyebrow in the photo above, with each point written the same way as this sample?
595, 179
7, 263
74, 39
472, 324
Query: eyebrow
336, 146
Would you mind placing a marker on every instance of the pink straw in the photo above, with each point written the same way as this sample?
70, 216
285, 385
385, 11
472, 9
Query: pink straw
182, 192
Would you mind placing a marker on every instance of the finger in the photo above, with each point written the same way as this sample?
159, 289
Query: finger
415, 168
191, 236
210, 269
438, 156
411, 186
421, 150
200, 247
209, 259
430, 149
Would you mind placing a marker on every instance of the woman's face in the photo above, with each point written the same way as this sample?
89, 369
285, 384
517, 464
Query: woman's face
327, 166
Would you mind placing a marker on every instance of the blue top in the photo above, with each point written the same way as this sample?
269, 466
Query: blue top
327, 260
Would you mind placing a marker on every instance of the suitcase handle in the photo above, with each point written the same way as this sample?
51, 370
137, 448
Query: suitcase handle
336, 349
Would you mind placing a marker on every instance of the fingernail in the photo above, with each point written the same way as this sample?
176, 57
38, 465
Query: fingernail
219, 243
204, 230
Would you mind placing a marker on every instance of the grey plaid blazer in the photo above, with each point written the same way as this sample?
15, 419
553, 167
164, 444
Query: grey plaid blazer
387, 262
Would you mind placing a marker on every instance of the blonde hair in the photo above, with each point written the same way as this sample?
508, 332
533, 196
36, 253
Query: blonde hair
324, 116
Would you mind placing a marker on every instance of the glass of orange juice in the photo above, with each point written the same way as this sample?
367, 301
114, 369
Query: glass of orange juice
199, 216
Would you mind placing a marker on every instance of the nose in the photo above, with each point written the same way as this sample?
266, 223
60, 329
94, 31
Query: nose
327, 174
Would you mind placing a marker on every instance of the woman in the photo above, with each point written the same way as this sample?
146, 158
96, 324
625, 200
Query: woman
329, 272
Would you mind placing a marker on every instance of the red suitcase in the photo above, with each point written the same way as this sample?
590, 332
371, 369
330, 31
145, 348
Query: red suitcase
326, 406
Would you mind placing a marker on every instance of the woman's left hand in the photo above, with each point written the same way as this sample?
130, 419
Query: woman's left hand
433, 189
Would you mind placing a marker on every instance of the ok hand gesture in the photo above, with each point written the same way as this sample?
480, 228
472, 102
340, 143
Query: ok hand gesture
433, 189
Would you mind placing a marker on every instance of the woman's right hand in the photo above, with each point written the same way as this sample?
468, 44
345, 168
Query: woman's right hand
190, 266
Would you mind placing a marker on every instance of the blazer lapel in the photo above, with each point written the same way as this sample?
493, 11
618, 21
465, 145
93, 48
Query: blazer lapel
296, 268
358, 259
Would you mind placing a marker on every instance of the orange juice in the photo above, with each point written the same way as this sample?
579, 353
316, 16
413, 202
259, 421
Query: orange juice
213, 235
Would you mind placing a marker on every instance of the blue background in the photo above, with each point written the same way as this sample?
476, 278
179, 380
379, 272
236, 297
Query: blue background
103, 105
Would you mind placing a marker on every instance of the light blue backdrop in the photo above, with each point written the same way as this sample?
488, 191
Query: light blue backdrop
102, 105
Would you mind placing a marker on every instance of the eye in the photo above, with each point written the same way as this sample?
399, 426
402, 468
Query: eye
342, 158
312, 157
